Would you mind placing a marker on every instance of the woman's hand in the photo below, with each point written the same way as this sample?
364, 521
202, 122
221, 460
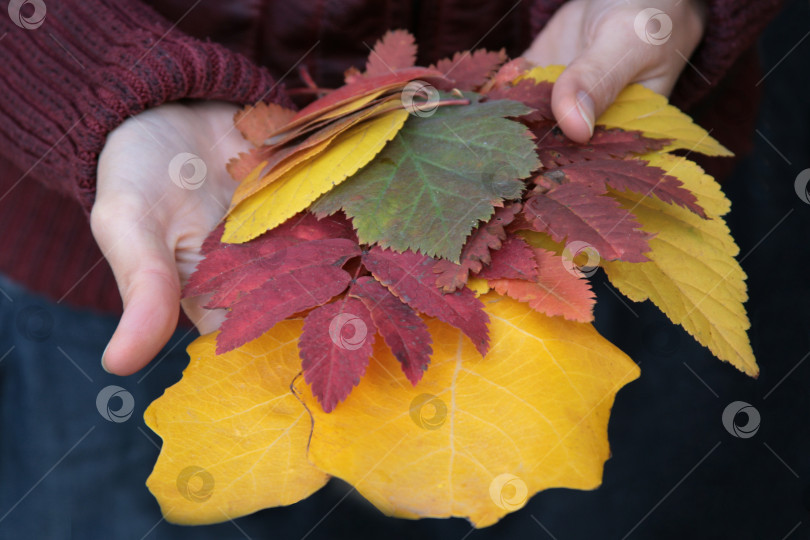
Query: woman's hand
608, 44
162, 187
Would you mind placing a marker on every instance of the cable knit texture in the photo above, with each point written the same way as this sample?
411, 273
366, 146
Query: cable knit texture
93, 63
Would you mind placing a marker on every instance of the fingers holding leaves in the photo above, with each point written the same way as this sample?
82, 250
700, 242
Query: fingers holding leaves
609, 45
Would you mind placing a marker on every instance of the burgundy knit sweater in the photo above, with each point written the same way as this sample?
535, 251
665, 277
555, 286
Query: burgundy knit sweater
68, 79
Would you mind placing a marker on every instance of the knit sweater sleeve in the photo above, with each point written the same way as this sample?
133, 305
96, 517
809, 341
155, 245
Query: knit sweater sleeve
75, 69
732, 26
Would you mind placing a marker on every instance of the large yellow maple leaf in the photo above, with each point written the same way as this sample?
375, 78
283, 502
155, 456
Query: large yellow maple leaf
532, 414
234, 436
475, 438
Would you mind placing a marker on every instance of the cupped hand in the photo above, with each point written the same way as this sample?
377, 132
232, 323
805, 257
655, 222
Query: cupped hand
608, 44
162, 187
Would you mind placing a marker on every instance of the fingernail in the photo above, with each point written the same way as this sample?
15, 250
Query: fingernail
104, 367
586, 109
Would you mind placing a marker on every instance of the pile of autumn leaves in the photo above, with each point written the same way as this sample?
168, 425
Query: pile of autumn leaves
405, 197
421, 197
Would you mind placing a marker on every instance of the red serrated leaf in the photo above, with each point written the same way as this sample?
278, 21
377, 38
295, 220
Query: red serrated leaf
536, 95
257, 122
293, 267
476, 253
411, 278
395, 50
276, 299
212, 241
579, 212
335, 346
556, 291
556, 149
515, 260
232, 270
405, 333
236, 269
469, 70
631, 175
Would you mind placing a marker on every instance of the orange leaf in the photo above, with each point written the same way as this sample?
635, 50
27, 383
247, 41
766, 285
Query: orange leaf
257, 122
556, 291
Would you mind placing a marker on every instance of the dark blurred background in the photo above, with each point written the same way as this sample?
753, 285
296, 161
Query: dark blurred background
676, 472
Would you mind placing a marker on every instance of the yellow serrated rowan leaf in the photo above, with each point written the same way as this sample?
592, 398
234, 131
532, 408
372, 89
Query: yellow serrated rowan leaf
640, 109
234, 436
477, 436
302, 185
692, 275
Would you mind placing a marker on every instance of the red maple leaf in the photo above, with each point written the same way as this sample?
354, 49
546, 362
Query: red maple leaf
411, 278
405, 333
555, 291
395, 50
469, 70
335, 346
476, 253
579, 212
631, 175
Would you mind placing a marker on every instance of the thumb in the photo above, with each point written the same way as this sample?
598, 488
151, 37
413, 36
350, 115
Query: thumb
592, 81
146, 273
